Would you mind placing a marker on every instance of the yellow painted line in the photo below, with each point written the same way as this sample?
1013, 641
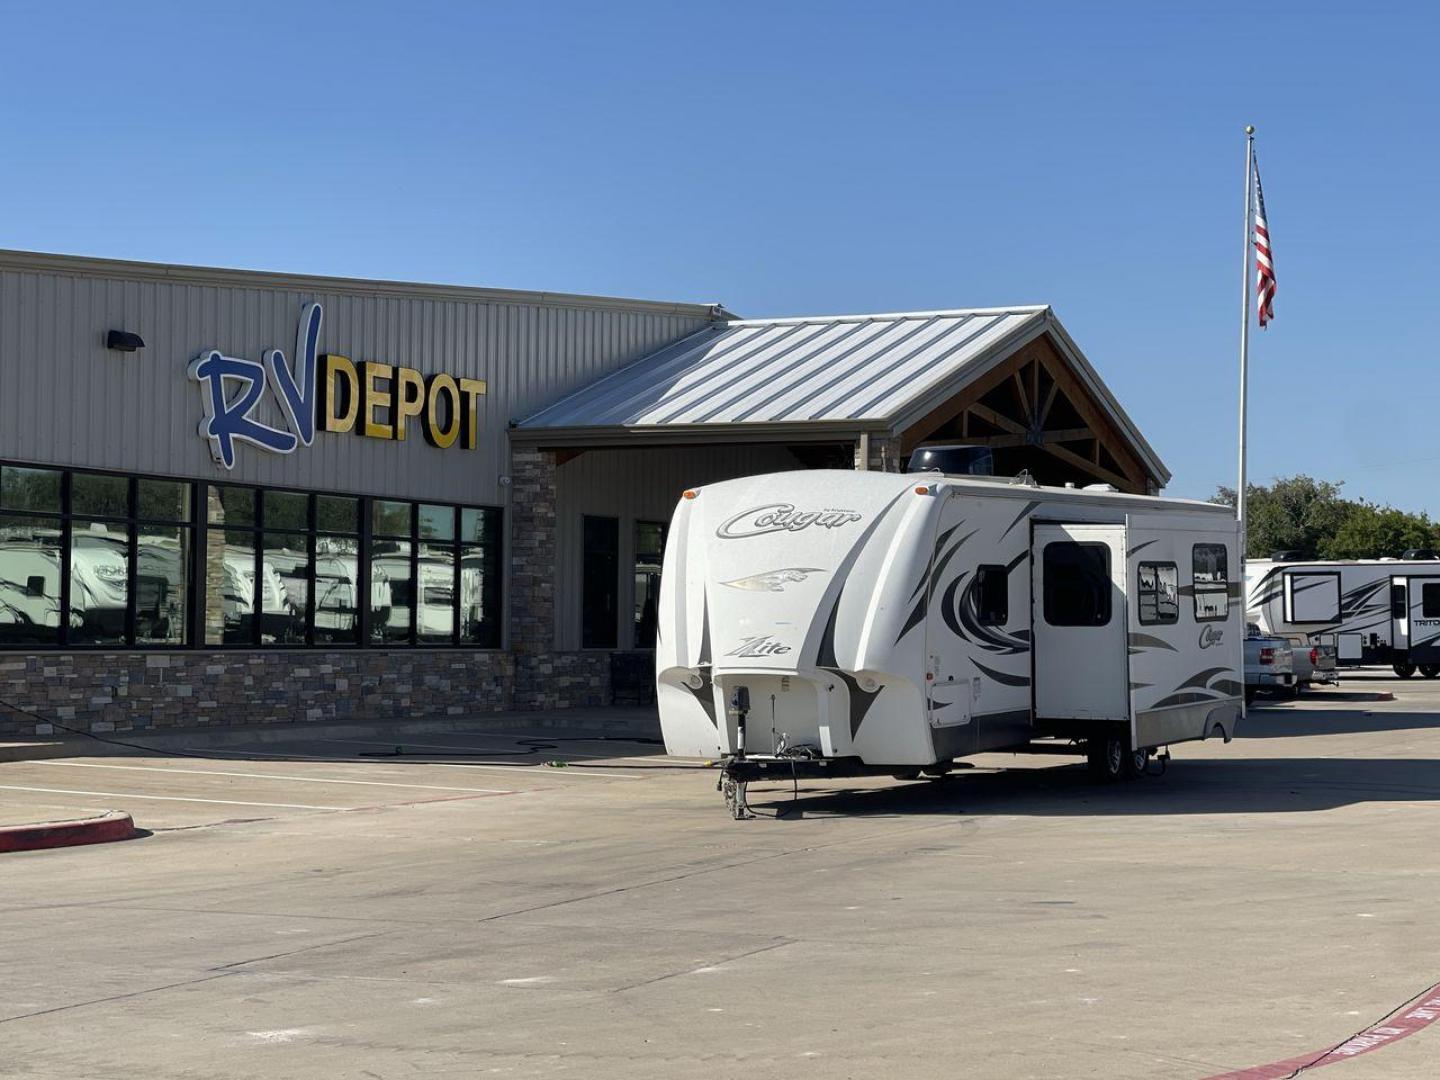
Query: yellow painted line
267, 776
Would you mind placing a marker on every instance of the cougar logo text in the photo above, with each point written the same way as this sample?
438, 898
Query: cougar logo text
764, 645
773, 580
1210, 636
782, 517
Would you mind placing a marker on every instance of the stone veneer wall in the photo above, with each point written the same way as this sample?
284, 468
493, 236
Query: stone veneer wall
125, 691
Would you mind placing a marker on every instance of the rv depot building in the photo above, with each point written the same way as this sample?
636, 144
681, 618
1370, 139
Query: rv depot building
231, 497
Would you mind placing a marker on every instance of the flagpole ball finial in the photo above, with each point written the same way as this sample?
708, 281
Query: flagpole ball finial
1249, 129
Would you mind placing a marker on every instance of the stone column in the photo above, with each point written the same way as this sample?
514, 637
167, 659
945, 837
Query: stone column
532, 573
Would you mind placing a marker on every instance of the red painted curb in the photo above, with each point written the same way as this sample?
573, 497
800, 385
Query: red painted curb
115, 825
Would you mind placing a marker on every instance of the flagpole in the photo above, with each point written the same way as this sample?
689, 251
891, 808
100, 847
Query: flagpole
1245, 341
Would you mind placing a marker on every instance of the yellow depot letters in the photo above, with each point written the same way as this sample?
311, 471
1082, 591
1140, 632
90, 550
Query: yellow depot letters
378, 401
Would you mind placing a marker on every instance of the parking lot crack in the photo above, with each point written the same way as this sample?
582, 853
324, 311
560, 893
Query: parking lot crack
210, 977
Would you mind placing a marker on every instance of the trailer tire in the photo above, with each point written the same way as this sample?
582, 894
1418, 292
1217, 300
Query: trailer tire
1429, 671
906, 774
1106, 757
1135, 763
1403, 668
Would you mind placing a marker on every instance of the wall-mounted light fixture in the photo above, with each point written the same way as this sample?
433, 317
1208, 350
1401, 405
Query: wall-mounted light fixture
123, 341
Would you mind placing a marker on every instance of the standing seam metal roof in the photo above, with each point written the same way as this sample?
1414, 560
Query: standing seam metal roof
816, 374
826, 370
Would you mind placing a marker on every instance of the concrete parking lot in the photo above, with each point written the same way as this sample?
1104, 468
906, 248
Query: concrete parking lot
306, 909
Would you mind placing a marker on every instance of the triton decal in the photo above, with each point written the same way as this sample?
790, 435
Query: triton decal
773, 580
782, 517
764, 645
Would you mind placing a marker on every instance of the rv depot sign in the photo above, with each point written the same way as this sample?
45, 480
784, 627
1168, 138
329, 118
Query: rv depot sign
331, 392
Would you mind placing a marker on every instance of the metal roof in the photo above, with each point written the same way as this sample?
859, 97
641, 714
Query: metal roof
811, 376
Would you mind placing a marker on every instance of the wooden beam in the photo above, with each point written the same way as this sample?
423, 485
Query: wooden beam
1024, 397
1000, 420
1124, 483
1066, 435
1049, 399
1081, 401
956, 406
995, 442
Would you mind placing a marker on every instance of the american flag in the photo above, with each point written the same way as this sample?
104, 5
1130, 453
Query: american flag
1264, 264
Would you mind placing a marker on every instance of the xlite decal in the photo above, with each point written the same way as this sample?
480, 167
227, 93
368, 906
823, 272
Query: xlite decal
773, 580
782, 517
764, 645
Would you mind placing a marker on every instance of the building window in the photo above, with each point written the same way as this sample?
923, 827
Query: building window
1077, 584
118, 555
112, 552
649, 557
992, 595
599, 614
1211, 579
1158, 594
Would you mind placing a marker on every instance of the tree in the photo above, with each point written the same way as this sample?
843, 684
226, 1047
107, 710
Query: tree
1299, 513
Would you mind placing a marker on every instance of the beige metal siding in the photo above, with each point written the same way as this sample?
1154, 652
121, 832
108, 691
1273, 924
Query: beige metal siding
635, 485
66, 399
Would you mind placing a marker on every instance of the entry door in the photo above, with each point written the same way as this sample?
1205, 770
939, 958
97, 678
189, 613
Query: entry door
1082, 666
1423, 596
1399, 615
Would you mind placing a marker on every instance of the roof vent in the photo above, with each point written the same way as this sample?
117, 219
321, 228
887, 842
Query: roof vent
1101, 487
953, 460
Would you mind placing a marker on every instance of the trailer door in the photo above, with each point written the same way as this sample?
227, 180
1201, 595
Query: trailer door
1078, 619
1423, 595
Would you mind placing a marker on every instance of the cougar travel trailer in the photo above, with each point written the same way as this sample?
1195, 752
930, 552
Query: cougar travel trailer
1364, 605
835, 623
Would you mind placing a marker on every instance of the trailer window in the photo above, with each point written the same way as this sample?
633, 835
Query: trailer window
1210, 574
1430, 600
1159, 593
1397, 600
992, 595
1077, 584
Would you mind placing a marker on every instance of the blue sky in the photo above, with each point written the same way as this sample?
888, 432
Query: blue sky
800, 159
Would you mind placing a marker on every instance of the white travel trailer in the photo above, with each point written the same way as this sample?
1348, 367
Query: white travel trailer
1369, 607
829, 623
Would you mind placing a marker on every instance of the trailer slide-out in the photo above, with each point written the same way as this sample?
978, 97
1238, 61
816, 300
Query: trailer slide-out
835, 623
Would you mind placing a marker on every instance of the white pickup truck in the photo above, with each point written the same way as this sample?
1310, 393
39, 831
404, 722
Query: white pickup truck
1269, 664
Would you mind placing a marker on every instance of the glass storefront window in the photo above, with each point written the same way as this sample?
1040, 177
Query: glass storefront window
29, 489
229, 587
437, 522
99, 582
391, 590
162, 500
263, 567
285, 592
162, 586
287, 510
337, 514
435, 610
233, 506
390, 518
337, 590
29, 579
99, 496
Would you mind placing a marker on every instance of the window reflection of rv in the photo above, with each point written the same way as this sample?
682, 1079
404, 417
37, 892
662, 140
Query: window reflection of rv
30, 587
337, 569
238, 601
97, 582
159, 588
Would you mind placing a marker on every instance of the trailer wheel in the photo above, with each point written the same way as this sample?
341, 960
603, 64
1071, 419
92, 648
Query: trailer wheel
1430, 670
1106, 756
1404, 669
906, 774
1135, 763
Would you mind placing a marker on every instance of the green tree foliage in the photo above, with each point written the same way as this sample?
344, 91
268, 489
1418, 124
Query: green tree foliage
1300, 513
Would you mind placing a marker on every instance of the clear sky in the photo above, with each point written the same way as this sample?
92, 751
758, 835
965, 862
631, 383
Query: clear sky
801, 159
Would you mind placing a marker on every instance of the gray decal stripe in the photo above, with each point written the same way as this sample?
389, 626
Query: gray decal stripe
1000, 676
945, 560
860, 701
939, 543
1201, 678
1029, 509
1150, 641
1187, 698
1140, 547
917, 616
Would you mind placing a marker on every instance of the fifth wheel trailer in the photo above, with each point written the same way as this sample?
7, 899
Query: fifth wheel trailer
1375, 610
835, 623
